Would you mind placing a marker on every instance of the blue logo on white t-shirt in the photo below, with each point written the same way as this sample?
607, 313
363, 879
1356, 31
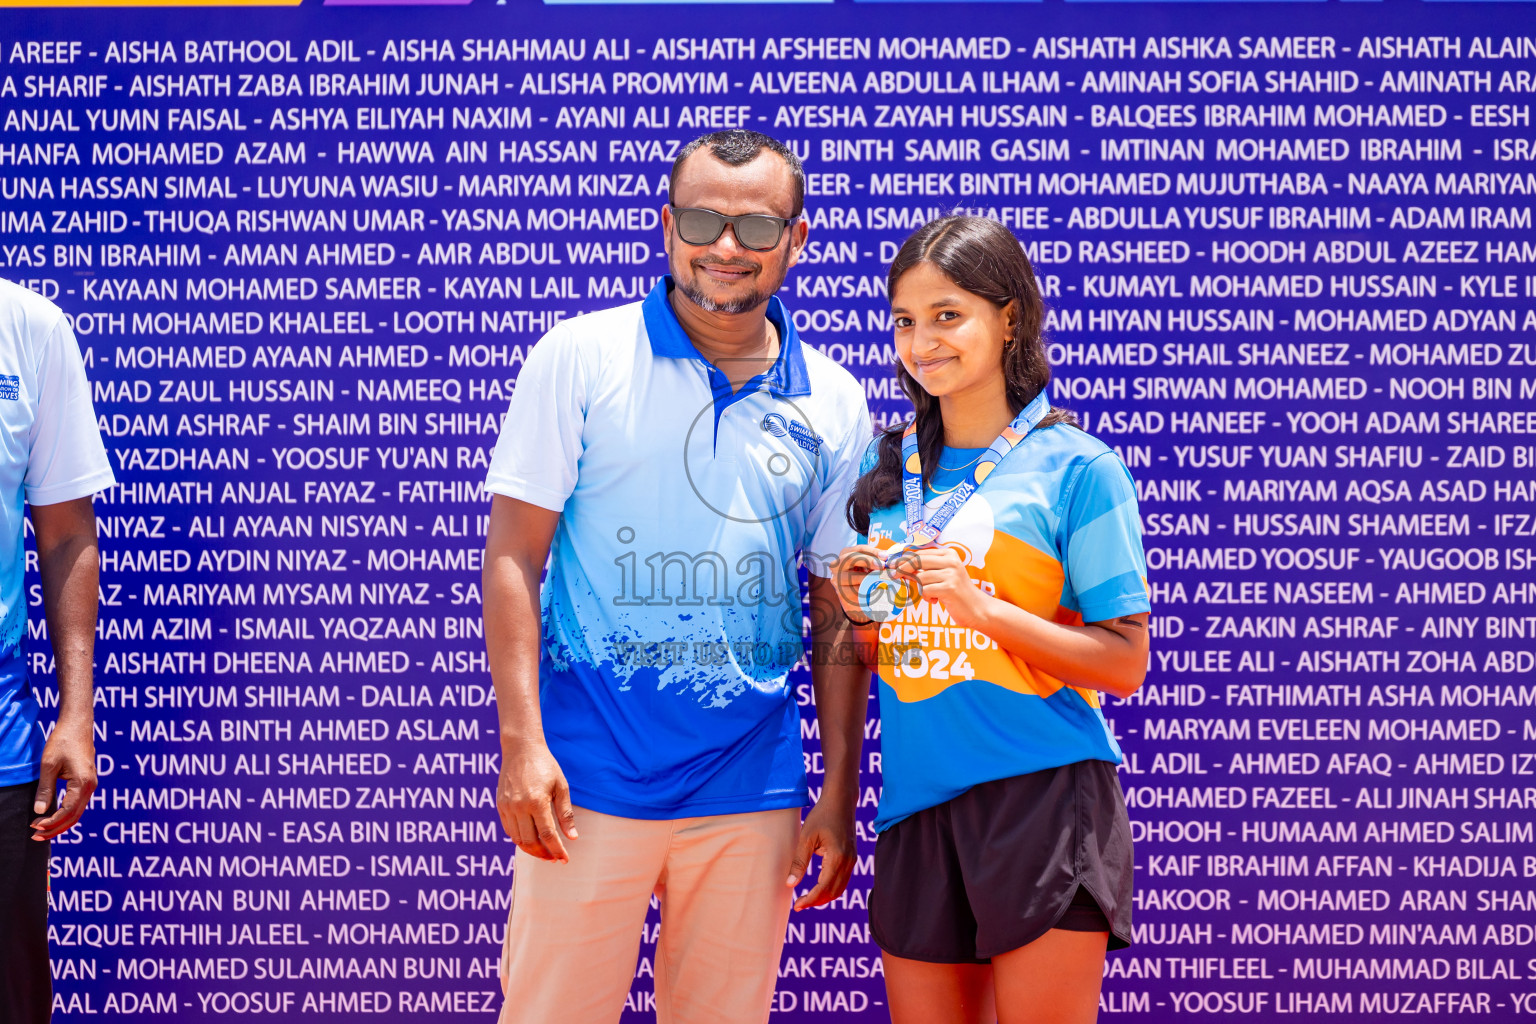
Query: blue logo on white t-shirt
778, 426
10, 386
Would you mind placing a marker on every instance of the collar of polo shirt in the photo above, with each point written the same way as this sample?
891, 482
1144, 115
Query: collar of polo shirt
787, 377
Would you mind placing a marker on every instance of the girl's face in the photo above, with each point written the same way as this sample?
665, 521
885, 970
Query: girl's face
950, 340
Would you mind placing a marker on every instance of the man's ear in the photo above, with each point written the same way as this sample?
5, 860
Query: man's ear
666, 228
798, 233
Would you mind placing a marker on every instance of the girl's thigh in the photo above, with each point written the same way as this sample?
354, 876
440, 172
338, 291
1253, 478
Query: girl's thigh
925, 993
1053, 980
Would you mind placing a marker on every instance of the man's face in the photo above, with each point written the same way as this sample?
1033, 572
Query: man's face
725, 276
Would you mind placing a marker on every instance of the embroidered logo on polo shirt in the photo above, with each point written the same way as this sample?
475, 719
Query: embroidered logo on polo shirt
10, 386
778, 426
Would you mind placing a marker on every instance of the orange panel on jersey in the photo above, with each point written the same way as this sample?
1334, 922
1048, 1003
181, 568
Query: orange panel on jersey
1023, 576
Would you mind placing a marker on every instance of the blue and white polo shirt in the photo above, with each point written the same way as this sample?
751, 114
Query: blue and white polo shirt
1053, 530
672, 606
50, 451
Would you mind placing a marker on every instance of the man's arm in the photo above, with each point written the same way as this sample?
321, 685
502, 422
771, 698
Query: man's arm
532, 796
67, 561
840, 681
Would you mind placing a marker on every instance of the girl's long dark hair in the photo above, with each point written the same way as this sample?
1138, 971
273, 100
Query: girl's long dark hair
982, 257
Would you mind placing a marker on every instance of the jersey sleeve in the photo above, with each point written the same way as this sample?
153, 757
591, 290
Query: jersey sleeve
1106, 568
65, 456
827, 531
541, 441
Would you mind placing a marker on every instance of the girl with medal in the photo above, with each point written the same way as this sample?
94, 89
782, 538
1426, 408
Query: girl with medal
999, 588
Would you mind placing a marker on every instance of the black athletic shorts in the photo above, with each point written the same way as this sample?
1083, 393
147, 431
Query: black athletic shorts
1003, 863
26, 990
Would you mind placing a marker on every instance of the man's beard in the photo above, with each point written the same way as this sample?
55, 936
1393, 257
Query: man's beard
747, 302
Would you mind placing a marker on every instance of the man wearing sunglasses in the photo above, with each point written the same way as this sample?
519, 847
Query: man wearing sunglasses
678, 457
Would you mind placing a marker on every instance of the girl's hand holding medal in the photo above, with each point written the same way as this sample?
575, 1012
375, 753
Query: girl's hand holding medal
936, 572
875, 584
859, 568
884, 592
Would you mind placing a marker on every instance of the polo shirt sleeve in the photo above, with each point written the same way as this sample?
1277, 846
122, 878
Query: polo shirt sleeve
826, 529
65, 456
1106, 568
541, 438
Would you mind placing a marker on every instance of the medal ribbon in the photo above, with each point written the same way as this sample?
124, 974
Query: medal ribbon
919, 532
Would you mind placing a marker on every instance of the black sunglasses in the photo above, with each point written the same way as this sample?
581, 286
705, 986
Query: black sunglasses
756, 231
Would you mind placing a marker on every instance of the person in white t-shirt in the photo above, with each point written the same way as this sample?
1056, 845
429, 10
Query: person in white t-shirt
51, 458
677, 457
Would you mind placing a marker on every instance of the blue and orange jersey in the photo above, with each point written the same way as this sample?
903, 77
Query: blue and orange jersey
1054, 530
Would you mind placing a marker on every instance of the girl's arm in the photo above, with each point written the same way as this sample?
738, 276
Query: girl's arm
1109, 656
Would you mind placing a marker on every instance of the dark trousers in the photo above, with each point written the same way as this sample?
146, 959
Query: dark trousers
26, 990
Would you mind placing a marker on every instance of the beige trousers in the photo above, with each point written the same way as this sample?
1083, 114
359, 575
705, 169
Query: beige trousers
573, 934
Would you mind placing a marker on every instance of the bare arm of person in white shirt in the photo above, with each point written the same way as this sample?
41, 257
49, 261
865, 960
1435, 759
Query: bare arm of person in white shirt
67, 562
532, 795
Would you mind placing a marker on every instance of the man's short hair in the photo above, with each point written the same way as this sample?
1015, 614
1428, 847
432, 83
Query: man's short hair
737, 146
